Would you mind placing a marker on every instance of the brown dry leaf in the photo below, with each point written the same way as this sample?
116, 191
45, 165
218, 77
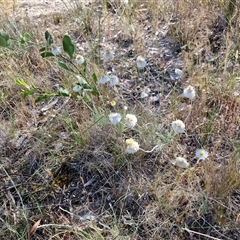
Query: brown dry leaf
34, 227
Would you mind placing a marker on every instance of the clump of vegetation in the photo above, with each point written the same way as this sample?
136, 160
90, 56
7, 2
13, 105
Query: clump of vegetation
123, 124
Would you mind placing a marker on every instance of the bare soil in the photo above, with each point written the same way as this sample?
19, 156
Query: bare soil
35, 8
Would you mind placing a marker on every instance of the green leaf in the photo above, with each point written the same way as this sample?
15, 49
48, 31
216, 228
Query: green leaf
27, 36
22, 41
94, 77
42, 49
48, 38
87, 98
44, 97
5, 36
63, 92
21, 82
26, 93
68, 46
64, 66
81, 80
95, 91
47, 54
3, 42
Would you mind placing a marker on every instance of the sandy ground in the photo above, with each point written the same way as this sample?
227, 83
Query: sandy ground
36, 8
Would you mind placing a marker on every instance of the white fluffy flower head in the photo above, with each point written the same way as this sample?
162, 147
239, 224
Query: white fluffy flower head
56, 50
189, 92
132, 146
113, 81
131, 120
181, 162
178, 126
115, 118
104, 79
79, 59
141, 63
77, 88
201, 154
108, 55
145, 92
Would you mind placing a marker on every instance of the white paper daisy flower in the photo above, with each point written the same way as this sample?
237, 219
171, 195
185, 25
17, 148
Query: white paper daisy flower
115, 118
189, 92
104, 79
178, 126
131, 120
145, 92
132, 146
201, 154
181, 162
141, 63
79, 59
56, 50
108, 55
113, 81
77, 88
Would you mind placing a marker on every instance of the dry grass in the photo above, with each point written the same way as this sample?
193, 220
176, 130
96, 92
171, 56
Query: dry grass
63, 163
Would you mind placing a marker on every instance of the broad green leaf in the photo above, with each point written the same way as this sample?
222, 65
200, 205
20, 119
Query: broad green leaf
5, 36
64, 66
42, 49
48, 38
47, 54
3, 42
68, 46
63, 92
27, 36
81, 80
22, 41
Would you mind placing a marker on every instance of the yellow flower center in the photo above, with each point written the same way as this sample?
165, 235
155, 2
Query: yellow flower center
130, 141
79, 57
113, 103
201, 153
140, 59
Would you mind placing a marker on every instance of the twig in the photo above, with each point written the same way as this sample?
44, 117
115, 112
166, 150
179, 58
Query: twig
201, 234
150, 150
